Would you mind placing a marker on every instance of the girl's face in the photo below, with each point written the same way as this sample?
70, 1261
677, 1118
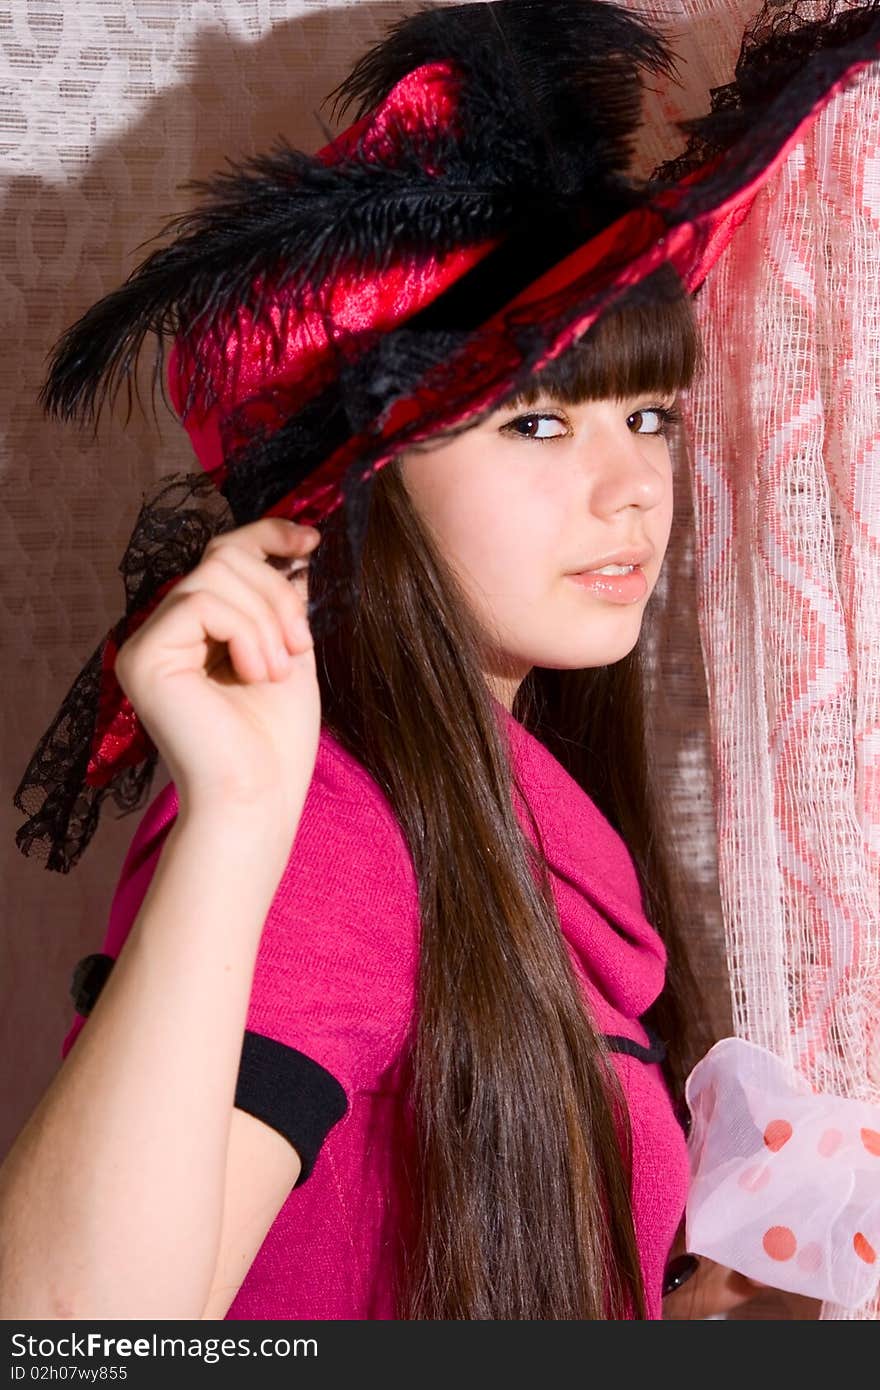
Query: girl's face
529, 496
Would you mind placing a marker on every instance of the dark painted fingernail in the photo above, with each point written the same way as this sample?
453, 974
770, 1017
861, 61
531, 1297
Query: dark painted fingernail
678, 1272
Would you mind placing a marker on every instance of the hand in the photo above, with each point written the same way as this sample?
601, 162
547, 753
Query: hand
222, 674
712, 1288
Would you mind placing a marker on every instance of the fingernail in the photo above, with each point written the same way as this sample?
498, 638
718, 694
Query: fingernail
678, 1272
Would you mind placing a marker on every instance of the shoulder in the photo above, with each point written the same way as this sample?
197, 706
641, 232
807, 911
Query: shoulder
341, 783
343, 799
348, 847
343, 927
349, 844
337, 965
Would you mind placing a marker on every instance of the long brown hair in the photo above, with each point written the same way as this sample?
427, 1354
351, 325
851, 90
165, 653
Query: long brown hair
520, 1165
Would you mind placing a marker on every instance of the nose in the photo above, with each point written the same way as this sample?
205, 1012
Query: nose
625, 469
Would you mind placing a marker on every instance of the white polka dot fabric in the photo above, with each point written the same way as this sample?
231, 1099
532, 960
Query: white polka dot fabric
785, 1183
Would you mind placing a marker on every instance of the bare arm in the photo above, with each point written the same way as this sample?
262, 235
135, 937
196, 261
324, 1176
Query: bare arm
261, 1169
112, 1197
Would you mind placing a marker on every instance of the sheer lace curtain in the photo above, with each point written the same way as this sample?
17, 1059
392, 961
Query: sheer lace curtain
764, 626
786, 477
784, 474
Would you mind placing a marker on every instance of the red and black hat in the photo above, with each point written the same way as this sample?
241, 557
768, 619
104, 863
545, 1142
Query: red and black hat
327, 311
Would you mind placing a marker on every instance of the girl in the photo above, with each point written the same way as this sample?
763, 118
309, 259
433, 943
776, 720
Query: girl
483, 618
394, 1010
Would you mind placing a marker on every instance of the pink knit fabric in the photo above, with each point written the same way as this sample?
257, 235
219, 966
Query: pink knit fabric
335, 978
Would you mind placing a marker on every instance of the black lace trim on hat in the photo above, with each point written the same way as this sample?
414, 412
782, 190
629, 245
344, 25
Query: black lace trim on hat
791, 46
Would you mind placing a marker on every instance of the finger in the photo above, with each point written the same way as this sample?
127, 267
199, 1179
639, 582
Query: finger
223, 622
714, 1289
218, 574
195, 619
285, 597
271, 535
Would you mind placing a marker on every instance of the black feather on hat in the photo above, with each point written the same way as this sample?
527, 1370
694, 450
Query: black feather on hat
547, 112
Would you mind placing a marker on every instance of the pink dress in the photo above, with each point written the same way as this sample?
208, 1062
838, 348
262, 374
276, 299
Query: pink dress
332, 1006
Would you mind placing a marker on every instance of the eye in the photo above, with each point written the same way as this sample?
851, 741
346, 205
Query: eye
667, 415
528, 420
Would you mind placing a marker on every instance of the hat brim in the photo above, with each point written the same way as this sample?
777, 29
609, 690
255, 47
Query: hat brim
686, 226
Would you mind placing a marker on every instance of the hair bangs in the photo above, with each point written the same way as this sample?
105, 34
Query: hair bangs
644, 344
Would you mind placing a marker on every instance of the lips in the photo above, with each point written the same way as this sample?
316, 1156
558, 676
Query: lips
627, 555
613, 588
615, 568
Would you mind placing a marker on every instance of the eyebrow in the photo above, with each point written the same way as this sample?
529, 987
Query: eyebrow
546, 394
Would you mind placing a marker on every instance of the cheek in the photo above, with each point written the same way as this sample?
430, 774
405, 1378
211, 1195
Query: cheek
472, 533
507, 537
483, 517
500, 523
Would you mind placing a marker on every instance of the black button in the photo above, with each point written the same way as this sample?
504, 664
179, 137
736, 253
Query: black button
88, 979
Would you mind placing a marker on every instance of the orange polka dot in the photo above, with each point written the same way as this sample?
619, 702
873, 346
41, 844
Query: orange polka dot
871, 1141
777, 1133
753, 1179
780, 1243
864, 1249
810, 1258
830, 1142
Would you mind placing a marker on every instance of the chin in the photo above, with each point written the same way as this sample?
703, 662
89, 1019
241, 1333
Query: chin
578, 658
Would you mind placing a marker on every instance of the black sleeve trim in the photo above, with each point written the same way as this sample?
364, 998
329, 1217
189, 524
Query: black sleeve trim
291, 1092
655, 1053
276, 1083
285, 1088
